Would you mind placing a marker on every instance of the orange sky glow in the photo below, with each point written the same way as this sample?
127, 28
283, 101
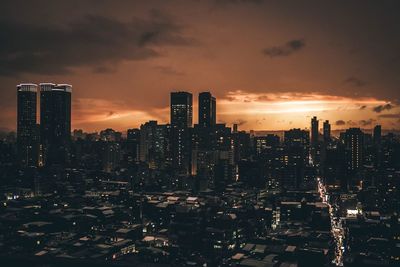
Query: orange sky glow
272, 65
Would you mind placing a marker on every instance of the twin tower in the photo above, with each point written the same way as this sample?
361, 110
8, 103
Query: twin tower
46, 143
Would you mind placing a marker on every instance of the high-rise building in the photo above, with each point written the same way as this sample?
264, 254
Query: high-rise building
297, 137
294, 157
377, 139
354, 146
207, 110
181, 109
181, 121
55, 122
327, 131
133, 144
111, 155
154, 144
377, 135
314, 131
235, 128
27, 130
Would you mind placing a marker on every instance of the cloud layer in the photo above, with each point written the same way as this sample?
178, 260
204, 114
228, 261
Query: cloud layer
93, 40
286, 49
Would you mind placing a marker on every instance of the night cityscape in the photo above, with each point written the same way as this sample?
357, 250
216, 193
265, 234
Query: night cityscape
126, 141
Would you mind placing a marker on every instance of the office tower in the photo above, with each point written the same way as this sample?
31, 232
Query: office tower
377, 135
111, 155
207, 110
55, 122
241, 145
181, 109
314, 131
210, 147
181, 120
334, 167
263, 142
297, 137
294, 157
153, 144
235, 128
327, 131
354, 146
377, 139
133, 144
27, 130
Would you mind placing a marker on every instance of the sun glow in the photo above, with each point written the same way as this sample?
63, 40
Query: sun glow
288, 110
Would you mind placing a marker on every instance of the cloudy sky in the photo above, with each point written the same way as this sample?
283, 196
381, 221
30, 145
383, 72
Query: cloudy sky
271, 64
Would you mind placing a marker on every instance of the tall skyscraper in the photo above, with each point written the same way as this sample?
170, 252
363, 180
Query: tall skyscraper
327, 131
207, 110
181, 120
133, 144
295, 157
377, 138
55, 122
354, 146
314, 131
181, 109
27, 130
377, 135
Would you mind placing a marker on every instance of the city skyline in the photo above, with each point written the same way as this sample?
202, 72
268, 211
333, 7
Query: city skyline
273, 69
226, 133
196, 118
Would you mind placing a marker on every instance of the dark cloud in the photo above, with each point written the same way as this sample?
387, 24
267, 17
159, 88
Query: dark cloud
366, 122
222, 2
286, 49
389, 116
354, 81
380, 108
89, 41
340, 122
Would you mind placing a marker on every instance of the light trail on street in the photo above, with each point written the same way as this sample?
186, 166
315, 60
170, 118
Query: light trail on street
336, 224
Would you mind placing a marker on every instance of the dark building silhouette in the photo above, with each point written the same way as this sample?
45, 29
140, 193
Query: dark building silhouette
181, 109
327, 131
377, 135
263, 142
295, 157
207, 110
55, 122
133, 144
314, 131
377, 147
111, 155
27, 130
181, 121
235, 128
154, 143
212, 147
354, 143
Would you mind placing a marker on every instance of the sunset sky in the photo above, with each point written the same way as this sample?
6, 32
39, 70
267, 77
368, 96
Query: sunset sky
271, 64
